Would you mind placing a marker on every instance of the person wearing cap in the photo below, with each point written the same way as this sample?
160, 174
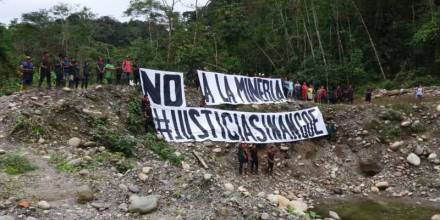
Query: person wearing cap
45, 70
127, 67
27, 72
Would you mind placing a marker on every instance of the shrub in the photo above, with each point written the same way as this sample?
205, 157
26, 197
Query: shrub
162, 149
14, 164
28, 126
134, 119
115, 141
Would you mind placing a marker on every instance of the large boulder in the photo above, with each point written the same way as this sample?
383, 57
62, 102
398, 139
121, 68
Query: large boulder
143, 204
299, 206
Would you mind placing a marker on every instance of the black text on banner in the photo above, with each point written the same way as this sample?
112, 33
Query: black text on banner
163, 88
219, 88
200, 124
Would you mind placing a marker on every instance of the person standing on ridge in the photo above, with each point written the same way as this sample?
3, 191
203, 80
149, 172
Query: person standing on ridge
45, 71
304, 89
297, 90
59, 72
127, 67
109, 71
85, 75
100, 70
27, 73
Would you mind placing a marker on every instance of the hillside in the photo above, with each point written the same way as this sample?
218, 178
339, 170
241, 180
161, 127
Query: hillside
88, 155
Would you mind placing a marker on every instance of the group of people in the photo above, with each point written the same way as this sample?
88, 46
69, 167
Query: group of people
248, 158
308, 92
73, 74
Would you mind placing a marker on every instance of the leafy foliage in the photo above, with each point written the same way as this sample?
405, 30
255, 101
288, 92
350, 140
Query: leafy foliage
161, 148
115, 141
15, 163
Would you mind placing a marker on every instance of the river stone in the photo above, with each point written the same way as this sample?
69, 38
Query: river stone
89, 144
419, 150
133, 188
434, 217
299, 206
334, 215
2, 152
405, 123
6, 217
396, 145
283, 202
43, 205
84, 194
413, 159
438, 108
143, 204
229, 187
432, 157
265, 216
382, 185
74, 142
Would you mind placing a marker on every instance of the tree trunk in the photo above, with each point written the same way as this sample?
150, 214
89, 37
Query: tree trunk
371, 40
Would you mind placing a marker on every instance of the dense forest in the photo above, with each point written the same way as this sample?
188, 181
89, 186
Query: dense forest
385, 43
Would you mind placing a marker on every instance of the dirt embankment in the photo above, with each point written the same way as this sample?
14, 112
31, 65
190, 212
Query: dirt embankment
386, 149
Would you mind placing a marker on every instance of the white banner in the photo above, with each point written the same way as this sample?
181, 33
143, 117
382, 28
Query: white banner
219, 88
199, 124
163, 88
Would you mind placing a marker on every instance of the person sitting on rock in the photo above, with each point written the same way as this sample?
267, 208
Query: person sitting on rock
270, 159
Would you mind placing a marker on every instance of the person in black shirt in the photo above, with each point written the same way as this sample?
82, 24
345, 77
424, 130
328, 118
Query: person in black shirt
270, 159
45, 70
254, 159
85, 75
59, 72
148, 115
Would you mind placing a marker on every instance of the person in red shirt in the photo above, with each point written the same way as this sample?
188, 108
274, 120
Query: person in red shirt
127, 67
304, 91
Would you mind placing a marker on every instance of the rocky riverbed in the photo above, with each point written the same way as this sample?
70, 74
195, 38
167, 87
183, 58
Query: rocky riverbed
91, 160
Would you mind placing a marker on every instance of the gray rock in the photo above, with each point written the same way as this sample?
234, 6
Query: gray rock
84, 194
2, 152
89, 144
43, 205
74, 142
133, 188
419, 150
6, 217
123, 207
207, 176
84, 172
143, 204
382, 185
100, 205
74, 162
265, 216
334, 215
123, 187
413, 159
